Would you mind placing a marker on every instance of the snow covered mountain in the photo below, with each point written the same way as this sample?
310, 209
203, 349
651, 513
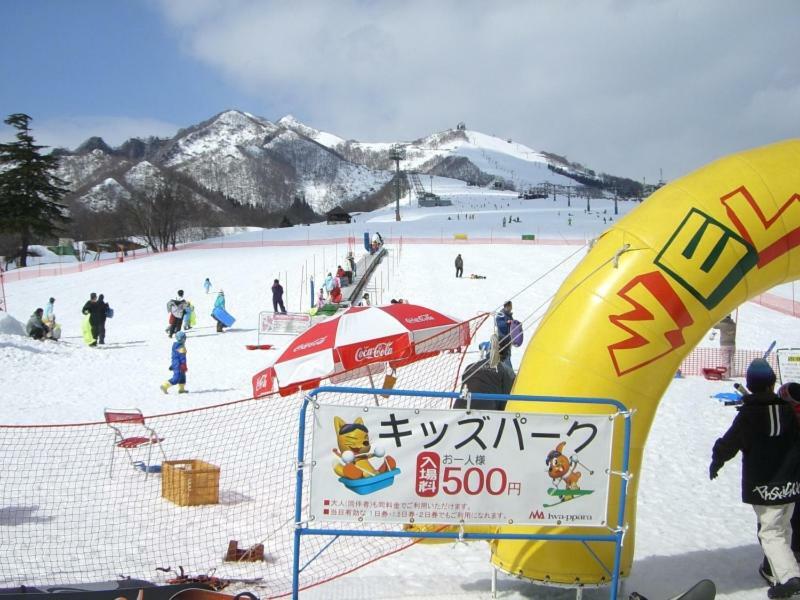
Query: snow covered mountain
239, 159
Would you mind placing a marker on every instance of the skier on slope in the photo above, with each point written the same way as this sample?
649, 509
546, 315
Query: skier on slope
177, 365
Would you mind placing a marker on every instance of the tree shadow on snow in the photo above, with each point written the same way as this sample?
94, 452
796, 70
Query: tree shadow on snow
731, 569
17, 515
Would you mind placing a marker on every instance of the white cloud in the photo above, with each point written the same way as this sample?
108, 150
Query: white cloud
71, 132
626, 87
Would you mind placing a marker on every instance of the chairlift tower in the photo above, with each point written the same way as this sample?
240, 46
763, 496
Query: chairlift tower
397, 153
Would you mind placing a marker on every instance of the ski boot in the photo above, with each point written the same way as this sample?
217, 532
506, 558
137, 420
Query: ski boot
164, 386
182, 389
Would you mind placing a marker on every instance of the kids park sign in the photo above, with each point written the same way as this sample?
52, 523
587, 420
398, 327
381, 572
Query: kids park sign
425, 466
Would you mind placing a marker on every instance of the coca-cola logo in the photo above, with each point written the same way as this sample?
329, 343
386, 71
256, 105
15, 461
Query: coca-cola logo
372, 352
261, 382
420, 318
311, 344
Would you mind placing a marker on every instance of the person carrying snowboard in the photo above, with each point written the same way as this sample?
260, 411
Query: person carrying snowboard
176, 308
189, 318
219, 303
766, 432
277, 297
178, 365
96, 312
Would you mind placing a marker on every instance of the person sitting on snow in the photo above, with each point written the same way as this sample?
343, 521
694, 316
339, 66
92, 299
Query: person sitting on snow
35, 327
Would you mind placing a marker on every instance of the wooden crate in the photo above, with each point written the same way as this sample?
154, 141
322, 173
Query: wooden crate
190, 482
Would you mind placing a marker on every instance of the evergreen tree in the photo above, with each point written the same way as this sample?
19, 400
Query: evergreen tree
30, 192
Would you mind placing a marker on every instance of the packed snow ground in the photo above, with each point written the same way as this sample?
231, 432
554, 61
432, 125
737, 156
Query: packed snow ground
687, 527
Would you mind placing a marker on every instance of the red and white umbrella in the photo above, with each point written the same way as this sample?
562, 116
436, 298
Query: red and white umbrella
361, 340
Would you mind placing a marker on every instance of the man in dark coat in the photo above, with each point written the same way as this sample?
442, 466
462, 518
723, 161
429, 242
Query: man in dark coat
502, 321
765, 431
481, 378
277, 297
459, 266
96, 312
102, 309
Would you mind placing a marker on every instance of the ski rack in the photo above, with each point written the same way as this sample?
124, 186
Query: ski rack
616, 535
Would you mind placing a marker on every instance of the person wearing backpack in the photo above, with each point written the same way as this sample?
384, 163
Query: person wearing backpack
104, 312
176, 307
502, 322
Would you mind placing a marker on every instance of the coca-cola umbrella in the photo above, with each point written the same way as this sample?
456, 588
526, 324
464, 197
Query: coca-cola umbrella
361, 341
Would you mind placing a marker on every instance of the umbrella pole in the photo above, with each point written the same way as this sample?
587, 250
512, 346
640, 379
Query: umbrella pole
372, 383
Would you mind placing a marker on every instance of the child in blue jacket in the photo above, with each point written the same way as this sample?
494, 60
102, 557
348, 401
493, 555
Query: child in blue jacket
178, 365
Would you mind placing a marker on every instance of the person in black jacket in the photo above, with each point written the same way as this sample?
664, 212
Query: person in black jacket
102, 309
765, 431
96, 312
481, 377
277, 297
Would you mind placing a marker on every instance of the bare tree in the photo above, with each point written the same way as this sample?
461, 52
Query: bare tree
159, 215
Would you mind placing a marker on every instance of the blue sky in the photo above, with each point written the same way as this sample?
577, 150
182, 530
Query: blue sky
86, 59
624, 87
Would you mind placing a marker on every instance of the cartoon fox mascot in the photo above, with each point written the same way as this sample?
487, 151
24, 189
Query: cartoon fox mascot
354, 451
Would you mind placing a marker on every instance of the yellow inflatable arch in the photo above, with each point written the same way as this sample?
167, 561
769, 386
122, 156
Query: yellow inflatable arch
645, 294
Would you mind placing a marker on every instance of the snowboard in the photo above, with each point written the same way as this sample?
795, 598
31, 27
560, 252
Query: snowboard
565, 495
86, 330
221, 315
702, 590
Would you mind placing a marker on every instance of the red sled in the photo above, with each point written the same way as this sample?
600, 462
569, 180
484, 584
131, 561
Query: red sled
714, 373
258, 346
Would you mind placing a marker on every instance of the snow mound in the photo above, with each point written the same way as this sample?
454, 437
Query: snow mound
10, 326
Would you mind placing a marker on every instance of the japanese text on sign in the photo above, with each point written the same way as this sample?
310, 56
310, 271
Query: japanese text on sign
396, 465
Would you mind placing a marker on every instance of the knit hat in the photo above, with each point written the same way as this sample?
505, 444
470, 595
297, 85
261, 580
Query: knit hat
790, 392
180, 337
760, 376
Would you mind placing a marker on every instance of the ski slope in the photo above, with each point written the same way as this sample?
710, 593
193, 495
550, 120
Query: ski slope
688, 527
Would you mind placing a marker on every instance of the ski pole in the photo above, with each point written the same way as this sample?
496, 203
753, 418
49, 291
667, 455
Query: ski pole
591, 472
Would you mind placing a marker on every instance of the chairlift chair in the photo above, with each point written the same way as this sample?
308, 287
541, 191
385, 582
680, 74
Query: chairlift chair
131, 433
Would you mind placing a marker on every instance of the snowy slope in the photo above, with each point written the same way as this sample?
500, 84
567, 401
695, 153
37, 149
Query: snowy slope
687, 527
